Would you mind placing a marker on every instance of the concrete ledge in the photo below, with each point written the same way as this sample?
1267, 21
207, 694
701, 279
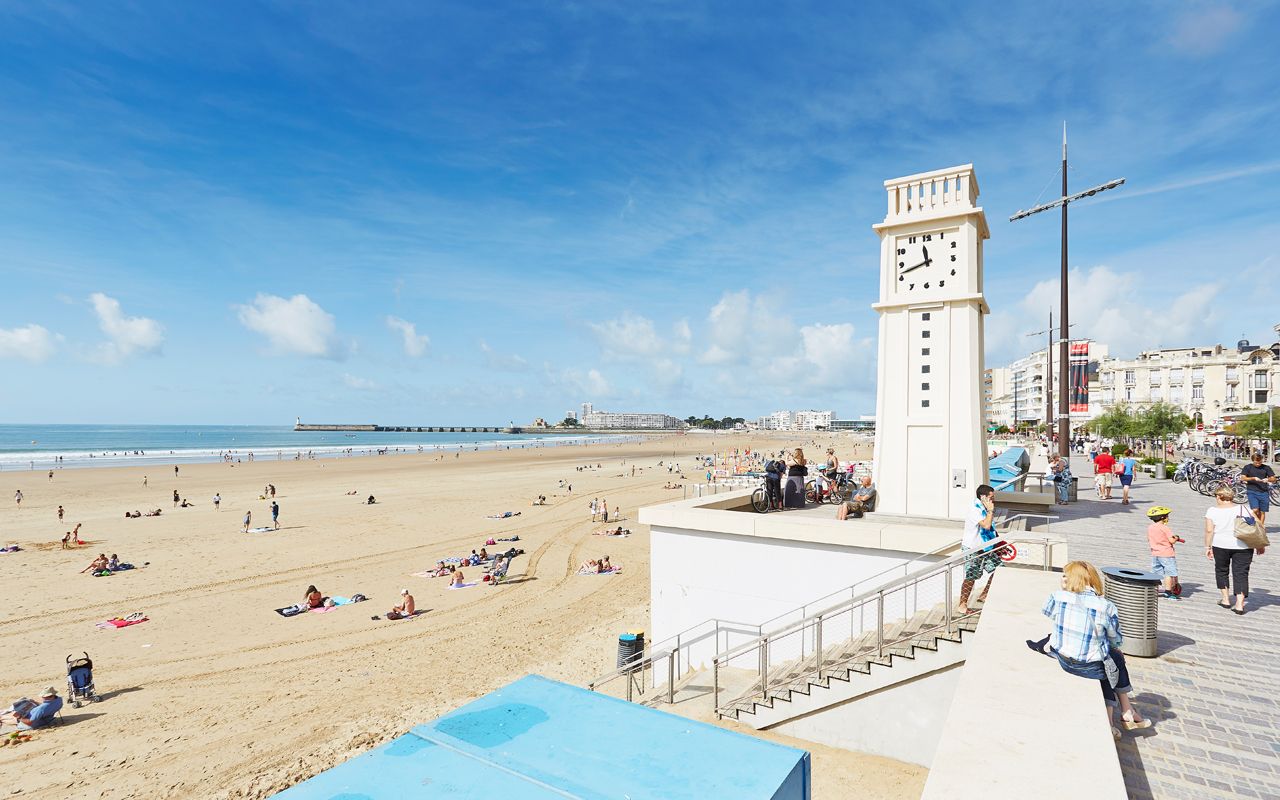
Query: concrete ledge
817, 525
1019, 726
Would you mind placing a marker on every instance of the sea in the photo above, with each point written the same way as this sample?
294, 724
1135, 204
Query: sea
44, 447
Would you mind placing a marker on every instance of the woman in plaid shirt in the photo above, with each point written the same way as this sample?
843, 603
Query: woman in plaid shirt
1086, 639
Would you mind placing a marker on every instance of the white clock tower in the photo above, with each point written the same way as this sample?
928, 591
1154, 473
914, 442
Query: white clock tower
930, 427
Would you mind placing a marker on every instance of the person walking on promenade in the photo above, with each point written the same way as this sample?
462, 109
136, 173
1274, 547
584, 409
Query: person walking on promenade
275, 514
1259, 478
1103, 469
1125, 471
979, 528
1086, 640
248, 517
217, 501
1231, 557
17, 498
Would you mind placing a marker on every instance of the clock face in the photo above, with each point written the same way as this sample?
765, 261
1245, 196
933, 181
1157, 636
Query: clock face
925, 261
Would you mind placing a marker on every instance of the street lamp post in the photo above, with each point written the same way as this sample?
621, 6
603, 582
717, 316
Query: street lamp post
1064, 367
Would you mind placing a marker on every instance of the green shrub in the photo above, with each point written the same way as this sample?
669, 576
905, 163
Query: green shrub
1117, 450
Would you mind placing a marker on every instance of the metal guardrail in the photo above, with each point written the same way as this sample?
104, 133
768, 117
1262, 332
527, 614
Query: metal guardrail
899, 599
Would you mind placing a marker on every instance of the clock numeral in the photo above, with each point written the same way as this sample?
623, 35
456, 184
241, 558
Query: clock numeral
911, 240
902, 263
942, 235
953, 244
953, 258
928, 237
953, 272
926, 286
910, 286
902, 277
941, 284
902, 251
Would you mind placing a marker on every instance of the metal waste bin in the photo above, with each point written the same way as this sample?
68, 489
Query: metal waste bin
630, 648
1161, 471
1136, 595
1073, 490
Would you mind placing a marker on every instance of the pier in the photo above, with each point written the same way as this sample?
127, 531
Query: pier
407, 428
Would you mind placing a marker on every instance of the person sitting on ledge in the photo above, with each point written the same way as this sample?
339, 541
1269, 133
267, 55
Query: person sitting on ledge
862, 500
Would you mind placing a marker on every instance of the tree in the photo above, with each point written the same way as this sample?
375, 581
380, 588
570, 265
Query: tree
1116, 423
569, 422
1255, 426
1160, 421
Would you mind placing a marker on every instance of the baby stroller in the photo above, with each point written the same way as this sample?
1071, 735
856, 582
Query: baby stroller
80, 681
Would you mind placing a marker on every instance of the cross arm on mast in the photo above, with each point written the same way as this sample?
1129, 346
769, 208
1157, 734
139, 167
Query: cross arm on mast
1069, 199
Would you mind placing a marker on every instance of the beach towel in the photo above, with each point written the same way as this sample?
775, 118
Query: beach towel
323, 609
463, 586
290, 611
13, 548
259, 530
341, 601
135, 618
616, 568
509, 539
430, 573
452, 560
623, 535
504, 515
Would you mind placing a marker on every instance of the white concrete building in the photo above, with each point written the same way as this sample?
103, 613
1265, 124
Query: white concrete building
629, 421
1207, 382
996, 387
807, 420
1023, 400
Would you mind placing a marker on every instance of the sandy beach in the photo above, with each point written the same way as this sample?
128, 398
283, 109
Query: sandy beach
218, 696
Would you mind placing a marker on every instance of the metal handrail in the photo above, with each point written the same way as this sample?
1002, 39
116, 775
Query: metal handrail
922, 556
944, 568
880, 590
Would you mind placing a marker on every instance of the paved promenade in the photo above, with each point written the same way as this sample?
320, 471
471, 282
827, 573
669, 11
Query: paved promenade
1214, 689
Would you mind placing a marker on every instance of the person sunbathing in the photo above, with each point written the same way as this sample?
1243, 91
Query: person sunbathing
313, 597
605, 566
589, 566
371, 501
352, 492
99, 564
457, 579
404, 609
185, 504
135, 515
484, 554
440, 570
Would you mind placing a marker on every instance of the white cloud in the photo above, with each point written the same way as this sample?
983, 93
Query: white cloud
128, 335
294, 326
415, 344
1204, 30
1123, 310
353, 382
628, 337
32, 343
589, 385
503, 362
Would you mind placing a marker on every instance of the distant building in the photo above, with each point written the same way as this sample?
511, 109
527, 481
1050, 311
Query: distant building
863, 424
1208, 383
629, 421
796, 421
571, 415
1017, 393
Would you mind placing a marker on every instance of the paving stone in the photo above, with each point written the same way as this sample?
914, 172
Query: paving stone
1213, 684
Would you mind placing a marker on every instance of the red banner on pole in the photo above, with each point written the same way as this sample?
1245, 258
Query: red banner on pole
1079, 396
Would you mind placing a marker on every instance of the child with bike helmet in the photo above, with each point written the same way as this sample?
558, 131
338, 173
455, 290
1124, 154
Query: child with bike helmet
1163, 561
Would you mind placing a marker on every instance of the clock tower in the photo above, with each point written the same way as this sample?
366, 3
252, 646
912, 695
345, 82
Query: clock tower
930, 451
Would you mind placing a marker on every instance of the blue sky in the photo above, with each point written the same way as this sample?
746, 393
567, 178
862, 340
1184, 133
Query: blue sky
423, 213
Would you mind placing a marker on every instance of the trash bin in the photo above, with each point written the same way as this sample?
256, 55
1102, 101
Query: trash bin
630, 647
1161, 471
1137, 597
1073, 491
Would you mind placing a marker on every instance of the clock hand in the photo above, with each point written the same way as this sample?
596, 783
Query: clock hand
915, 266
925, 250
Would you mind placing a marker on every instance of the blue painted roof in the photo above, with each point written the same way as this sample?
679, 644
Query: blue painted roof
538, 738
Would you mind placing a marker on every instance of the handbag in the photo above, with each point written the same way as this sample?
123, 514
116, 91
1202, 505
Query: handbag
1250, 532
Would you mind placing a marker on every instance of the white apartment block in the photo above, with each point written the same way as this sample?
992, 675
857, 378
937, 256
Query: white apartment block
807, 420
1017, 392
1206, 382
629, 421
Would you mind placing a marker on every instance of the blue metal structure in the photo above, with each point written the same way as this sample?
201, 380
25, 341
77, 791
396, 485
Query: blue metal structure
538, 738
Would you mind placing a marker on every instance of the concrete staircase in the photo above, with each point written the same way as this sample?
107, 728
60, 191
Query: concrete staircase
852, 668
